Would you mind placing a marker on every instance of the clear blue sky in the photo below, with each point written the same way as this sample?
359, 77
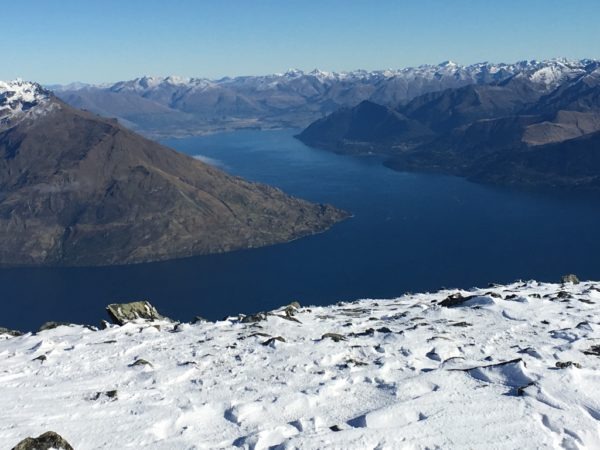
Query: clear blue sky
59, 41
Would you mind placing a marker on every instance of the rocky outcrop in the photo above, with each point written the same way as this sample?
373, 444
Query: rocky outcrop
121, 313
47, 441
8, 332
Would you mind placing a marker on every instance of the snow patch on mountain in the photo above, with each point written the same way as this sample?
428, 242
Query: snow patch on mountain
548, 72
509, 366
20, 99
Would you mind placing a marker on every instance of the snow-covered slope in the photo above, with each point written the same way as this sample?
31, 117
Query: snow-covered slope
179, 106
513, 366
548, 72
19, 99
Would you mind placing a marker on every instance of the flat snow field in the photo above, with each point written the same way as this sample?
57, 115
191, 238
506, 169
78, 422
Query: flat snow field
514, 366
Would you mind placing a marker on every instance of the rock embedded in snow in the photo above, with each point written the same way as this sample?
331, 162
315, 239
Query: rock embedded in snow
8, 332
50, 325
122, 313
570, 278
47, 441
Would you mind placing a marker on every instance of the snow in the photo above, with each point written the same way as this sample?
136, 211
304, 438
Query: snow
19, 99
548, 74
405, 373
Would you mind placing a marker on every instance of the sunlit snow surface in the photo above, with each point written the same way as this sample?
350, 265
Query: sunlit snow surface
398, 380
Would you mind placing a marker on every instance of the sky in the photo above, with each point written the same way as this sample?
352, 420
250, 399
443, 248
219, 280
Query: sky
61, 41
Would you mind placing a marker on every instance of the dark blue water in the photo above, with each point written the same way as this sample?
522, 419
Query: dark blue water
410, 232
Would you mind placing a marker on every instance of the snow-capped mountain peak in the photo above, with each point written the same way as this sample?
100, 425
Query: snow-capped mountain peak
20, 98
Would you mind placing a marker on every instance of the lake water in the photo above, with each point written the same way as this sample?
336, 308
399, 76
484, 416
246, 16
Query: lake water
410, 232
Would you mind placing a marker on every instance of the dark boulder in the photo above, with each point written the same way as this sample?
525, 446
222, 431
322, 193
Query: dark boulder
47, 441
456, 300
122, 313
335, 337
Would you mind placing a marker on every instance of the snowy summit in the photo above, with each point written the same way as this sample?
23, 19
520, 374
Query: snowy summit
506, 367
18, 98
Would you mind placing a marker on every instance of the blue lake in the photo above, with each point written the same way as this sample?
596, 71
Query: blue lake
410, 232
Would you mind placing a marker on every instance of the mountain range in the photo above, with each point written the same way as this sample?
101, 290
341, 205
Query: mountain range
79, 190
174, 106
522, 130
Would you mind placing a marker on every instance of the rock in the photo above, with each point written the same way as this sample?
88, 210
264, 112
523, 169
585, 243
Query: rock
570, 278
456, 300
13, 333
295, 305
51, 325
367, 332
290, 311
565, 364
594, 350
584, 326
334, 337
122, 313
108, 394
40, 358
253, 318
272, 340
140, 362
198, 319
258, 334
521, 389
47, 441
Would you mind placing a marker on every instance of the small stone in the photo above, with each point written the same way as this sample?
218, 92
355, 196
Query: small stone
461, 324
565, 364
40, 358
570, 278
140, 362
456, 300
384, 330
594, 350
584, 326
108, 394
367, 332
47, 441
253, 318
272, 340
13, 333
334, 337
521, 389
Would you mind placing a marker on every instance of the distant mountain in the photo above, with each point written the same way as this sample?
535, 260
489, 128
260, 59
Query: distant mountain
516, 131
76, 189
176, 106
